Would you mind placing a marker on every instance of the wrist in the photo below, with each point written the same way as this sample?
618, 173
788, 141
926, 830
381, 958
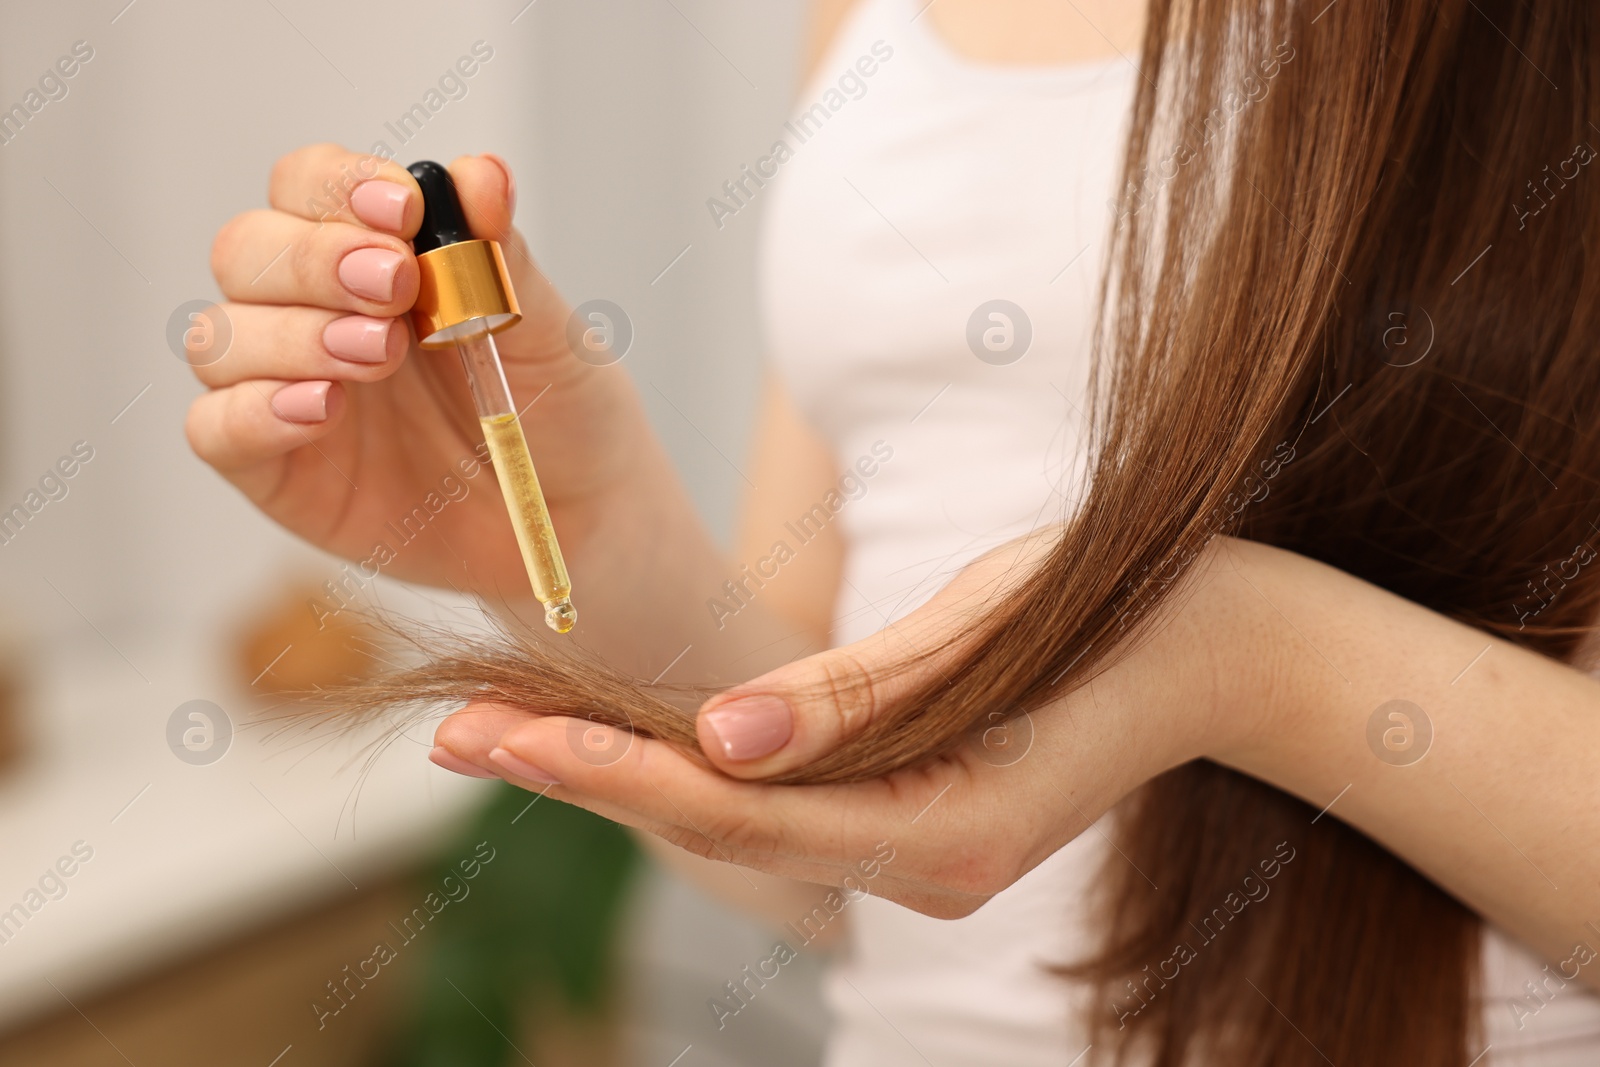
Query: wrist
1232, 674
1256, 652
1189, 682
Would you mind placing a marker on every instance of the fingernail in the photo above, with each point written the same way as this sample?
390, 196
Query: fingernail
381, 204
358, 338
751, 727
369, 272
443, 757
520, 768
511, 181
302, 401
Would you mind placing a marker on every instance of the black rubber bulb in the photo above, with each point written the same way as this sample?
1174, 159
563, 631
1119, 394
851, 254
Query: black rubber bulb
443, 222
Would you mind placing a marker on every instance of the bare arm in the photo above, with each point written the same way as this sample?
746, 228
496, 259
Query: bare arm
1501, 807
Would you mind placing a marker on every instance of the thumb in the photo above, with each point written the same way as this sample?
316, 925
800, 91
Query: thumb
488, 193
803, 710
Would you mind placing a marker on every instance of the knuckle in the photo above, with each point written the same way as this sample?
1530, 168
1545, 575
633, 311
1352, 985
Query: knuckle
519, 246
309, 266
281, 175
206, 373
955, 907
225, 247
694, 843
194, 427
851, 696
288, 168
738, 832
979, 871
191, 429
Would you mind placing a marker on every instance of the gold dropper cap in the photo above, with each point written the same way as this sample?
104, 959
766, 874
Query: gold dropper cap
462, 282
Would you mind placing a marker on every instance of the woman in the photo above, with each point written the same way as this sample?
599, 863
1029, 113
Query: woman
1295, 180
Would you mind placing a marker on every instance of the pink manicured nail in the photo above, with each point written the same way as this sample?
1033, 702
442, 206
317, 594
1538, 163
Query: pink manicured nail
369, 272
521, 768
381, 204
751, 727
511, 181
443, 757
358, 338
302, 401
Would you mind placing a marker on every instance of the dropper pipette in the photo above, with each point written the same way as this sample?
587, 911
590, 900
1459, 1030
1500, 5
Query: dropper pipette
465, 297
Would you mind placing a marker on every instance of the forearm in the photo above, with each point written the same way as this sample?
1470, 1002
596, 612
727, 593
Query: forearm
1500, 807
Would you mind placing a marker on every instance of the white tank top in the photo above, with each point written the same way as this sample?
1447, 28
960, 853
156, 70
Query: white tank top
917, 189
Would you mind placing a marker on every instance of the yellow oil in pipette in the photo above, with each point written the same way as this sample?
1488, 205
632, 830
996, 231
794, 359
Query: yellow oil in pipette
519, 483
464, 295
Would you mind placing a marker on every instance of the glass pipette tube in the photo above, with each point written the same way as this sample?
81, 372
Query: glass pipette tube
513, 467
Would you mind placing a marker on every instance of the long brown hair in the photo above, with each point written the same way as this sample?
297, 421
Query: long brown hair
1307, 185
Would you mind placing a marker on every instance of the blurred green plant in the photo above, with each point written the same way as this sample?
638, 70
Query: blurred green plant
535, 939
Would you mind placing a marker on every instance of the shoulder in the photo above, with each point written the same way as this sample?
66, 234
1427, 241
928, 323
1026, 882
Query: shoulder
827, 17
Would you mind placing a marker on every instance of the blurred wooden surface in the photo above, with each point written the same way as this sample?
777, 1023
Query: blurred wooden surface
244, 1003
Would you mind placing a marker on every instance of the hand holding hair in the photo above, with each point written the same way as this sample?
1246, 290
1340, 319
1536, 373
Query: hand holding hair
965, 820
1261, 660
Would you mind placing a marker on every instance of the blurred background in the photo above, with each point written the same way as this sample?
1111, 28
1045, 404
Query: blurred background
176, 886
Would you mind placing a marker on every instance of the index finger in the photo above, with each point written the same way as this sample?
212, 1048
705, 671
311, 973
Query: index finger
825, 834
328, 182
784, 829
